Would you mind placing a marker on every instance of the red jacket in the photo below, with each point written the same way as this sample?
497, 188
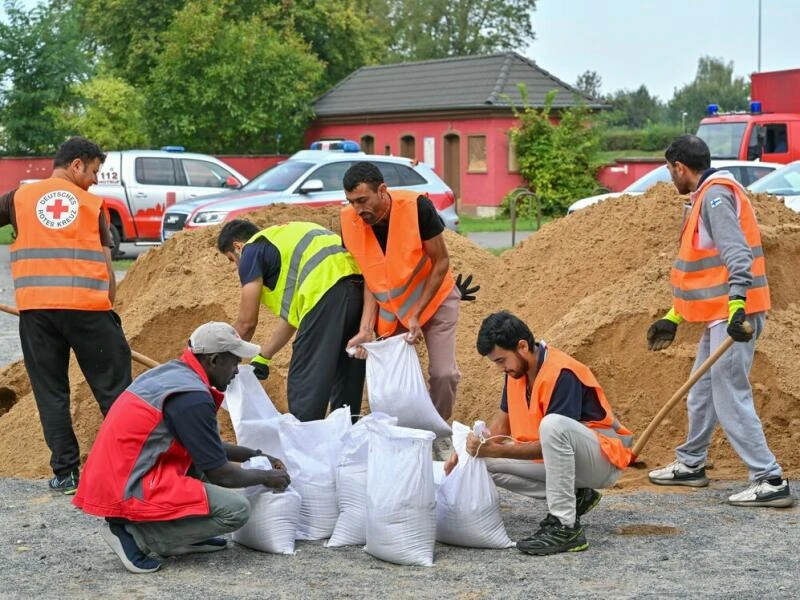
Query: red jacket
136, 469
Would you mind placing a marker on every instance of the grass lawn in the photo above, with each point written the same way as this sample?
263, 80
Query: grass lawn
498, 251
468, 224
5, 234
123, 264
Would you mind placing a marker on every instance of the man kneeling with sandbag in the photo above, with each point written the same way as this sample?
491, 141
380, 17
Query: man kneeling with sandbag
162, 428
555, 435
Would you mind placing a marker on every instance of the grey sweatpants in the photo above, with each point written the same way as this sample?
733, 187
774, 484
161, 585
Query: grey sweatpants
724, 394
228, 511
572, 459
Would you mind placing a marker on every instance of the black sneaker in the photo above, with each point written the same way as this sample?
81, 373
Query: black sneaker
66, 484
585, 500
124, 546
553, 537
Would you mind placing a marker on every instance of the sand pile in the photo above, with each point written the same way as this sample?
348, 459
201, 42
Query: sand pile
590, 283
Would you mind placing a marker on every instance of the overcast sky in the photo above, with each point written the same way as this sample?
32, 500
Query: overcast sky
658, 42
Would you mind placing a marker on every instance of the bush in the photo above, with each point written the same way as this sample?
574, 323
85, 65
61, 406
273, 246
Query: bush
656, 136
559, 160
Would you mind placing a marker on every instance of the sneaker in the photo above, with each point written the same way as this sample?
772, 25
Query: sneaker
763, 493
442, 448
677, 473
124, 546
553, 537
214, 544
585, 500
66, 484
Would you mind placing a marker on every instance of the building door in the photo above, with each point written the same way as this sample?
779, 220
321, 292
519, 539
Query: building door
408, 147
452, 162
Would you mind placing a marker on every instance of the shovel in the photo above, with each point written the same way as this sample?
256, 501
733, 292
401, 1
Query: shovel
682, 391
140, 358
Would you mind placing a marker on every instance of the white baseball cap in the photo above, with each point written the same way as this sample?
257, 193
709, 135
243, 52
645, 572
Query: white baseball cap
221, 337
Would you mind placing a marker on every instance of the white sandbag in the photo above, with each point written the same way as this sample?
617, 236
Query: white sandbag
467, 503
246, 400
311, 451
272, 526
401, 504
438, 474
396, 386
351, 483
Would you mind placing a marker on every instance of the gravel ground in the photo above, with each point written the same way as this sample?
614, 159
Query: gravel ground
688, 544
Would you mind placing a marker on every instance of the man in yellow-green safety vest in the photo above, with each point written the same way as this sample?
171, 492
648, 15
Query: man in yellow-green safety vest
301, 272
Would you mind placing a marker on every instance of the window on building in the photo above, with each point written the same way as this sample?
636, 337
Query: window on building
408, 147
368, 144
476, 152
387, 150
513, 163
156, 171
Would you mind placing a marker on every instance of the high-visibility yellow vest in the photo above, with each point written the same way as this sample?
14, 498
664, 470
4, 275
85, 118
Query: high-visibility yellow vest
312, 261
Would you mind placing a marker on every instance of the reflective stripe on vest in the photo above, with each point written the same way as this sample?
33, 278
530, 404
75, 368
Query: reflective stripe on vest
57, 260
700, 278
397, 276
312, 261
525, 418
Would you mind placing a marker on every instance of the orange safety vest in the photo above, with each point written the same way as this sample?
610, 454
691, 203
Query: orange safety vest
395, 278
615, 440
57, 261
699, 277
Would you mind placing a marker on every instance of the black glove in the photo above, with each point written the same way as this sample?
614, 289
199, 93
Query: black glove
467, 293
660, 334
736, 327
260, 367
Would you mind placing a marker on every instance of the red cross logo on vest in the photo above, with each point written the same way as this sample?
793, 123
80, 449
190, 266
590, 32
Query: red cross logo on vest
56, 210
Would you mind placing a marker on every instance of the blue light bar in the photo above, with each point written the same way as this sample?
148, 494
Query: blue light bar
336, 145
173, 148
713, 109
755, 107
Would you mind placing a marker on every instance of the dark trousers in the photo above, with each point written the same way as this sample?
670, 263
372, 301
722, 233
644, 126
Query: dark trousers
103, 355
321, 372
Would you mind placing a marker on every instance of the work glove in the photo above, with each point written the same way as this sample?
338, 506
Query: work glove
260, 366
736, 320
467, 293
662, 332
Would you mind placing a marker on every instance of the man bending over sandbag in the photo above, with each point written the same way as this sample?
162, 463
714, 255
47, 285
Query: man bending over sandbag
554, 437
162, 427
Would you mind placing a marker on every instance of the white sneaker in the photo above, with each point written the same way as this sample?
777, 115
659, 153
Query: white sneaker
763, 493
677, 473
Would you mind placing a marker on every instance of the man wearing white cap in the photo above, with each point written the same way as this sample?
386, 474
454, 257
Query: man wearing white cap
163, 426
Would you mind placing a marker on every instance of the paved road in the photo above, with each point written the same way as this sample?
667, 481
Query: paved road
10, 350
497, 239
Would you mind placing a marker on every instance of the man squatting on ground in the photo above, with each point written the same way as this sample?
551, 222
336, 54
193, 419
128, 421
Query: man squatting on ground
159, 472
64, 288
719, 279
397, 241
301, 273
554, 437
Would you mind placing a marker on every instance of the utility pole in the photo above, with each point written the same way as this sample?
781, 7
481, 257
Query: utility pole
759, 36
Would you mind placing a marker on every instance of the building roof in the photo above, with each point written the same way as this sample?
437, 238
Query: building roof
470, 82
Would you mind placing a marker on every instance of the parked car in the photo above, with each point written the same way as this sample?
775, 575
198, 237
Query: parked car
139, 185
745, 172
784, 183
309, 178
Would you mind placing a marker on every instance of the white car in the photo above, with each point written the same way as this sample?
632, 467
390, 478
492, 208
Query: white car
745, 172
784, 183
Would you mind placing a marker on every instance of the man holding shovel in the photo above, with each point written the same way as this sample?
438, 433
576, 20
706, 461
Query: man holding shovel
64, 287
719, 279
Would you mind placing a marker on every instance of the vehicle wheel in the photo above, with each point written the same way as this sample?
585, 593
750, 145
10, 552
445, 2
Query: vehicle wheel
116, 238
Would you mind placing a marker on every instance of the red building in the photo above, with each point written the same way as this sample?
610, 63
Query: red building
453, 114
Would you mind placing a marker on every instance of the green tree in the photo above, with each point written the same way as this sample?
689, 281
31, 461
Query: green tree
634, 109
714, 83
233, 89
109, 111
589, 82
557, 153
42, 55
442, 28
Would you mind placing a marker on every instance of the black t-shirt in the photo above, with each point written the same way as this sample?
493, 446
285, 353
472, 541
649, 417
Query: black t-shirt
192, 418
430, 223
260, 258
570, 397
